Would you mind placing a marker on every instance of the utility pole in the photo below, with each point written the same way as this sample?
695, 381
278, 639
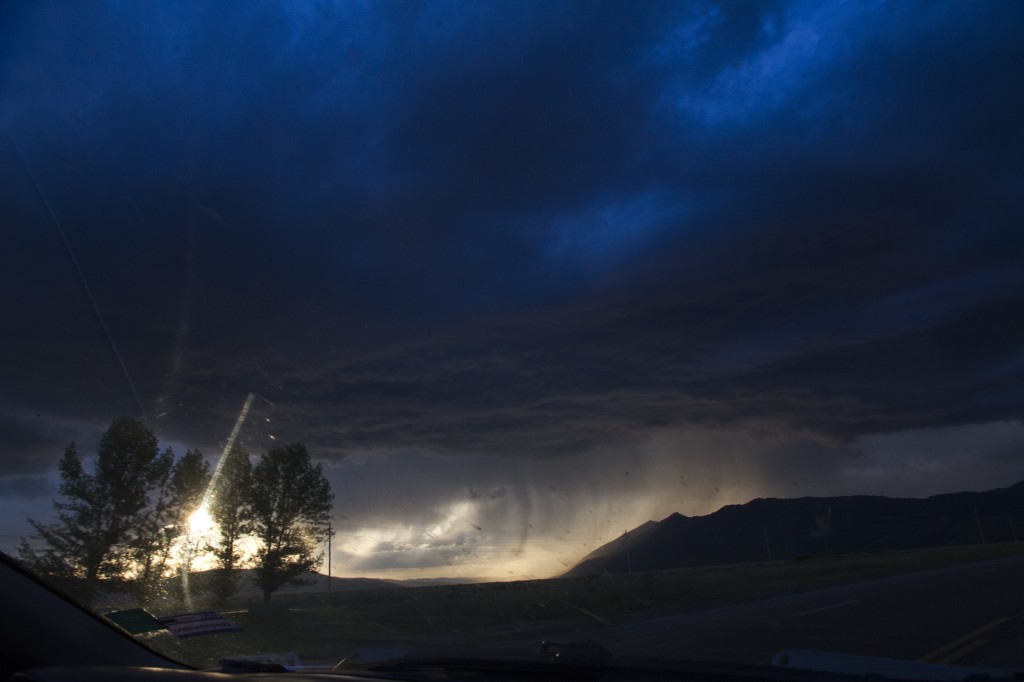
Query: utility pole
977, 520
629, 562
330, 534
767, 545
1013, 529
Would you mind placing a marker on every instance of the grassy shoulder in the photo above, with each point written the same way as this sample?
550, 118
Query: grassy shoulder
321, 626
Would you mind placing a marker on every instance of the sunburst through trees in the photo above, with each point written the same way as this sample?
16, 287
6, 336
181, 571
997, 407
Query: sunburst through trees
133, 519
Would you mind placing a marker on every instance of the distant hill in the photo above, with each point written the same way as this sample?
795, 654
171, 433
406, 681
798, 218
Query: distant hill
430, 582
789, 528
315, 582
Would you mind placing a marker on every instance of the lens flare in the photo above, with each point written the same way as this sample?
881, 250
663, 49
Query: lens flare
201, 523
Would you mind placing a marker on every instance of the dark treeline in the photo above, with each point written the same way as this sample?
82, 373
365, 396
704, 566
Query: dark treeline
133, 517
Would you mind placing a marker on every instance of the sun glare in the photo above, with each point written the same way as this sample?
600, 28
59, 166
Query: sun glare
201, 523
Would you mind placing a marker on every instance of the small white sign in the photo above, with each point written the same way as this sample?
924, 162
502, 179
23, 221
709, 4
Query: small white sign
203, 623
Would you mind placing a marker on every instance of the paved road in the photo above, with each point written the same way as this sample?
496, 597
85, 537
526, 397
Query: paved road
970, 614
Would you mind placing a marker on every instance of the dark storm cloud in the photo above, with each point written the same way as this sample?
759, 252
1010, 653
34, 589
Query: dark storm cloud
22, 444
578, 384
32, 445
530, 230
27, 487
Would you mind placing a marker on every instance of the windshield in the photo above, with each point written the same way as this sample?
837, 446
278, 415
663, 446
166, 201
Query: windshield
690, 329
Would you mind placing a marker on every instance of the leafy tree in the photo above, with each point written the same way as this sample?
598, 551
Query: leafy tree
229, 506
178, 495
154, 539
291, 504
189, 482
102, 516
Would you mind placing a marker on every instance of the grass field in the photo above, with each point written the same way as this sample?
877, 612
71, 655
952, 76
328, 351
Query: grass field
319, 626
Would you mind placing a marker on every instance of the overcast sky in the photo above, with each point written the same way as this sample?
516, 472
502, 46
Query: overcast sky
521, 275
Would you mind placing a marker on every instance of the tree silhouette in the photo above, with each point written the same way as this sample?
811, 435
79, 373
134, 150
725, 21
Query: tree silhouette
230, 507
291, 503
102, 518
152, 547
126, 520
165, 542
189, 481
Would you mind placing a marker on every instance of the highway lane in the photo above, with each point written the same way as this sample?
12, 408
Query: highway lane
957, 614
